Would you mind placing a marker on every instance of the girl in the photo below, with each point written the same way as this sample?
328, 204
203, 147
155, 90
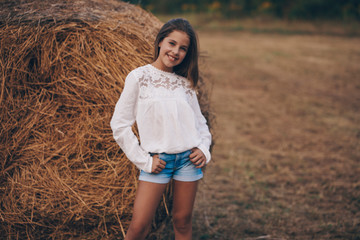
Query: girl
174, 135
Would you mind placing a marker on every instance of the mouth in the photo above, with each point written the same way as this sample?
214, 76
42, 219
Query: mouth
172, 58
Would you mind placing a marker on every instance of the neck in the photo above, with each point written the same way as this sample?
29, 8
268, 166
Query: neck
161, 66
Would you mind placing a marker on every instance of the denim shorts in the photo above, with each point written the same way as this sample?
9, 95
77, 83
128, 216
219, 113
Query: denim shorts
178, 166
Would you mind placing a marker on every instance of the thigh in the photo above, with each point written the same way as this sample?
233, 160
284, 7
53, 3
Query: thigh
184, 198
185, 170
165, 175
148, 196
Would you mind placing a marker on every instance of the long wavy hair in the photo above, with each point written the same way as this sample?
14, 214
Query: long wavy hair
188, 68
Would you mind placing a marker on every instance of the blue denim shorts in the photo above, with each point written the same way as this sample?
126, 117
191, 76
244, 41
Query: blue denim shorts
178, 166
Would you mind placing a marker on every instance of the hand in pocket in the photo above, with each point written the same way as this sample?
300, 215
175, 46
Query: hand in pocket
158, 165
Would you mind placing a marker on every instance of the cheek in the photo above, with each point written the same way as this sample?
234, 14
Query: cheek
163, 49
183, 55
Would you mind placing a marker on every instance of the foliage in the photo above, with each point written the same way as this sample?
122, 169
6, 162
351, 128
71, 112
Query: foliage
288, 9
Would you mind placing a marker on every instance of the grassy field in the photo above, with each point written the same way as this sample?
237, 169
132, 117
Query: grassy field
286, 164
266, 24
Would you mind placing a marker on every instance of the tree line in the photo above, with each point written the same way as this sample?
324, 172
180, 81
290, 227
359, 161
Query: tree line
286, 9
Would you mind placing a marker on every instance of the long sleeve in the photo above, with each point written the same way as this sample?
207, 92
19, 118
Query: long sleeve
202, 128
123, 118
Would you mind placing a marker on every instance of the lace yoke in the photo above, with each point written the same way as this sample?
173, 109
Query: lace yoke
154, 82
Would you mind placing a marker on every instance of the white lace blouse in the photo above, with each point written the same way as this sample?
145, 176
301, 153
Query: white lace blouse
167, 114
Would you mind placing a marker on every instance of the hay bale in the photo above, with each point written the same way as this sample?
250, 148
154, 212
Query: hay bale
63, 66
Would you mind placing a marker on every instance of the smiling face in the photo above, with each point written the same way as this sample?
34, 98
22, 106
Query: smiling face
173, 49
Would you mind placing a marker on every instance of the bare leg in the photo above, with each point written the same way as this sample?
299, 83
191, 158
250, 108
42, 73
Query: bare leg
184, 198
147, 200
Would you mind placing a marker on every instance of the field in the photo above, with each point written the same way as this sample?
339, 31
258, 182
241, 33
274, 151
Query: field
286, 163
286, 159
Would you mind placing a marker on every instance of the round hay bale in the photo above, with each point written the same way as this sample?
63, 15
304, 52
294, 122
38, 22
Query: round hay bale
63, 66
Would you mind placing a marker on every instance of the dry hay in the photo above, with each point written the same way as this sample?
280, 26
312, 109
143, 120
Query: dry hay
63, 65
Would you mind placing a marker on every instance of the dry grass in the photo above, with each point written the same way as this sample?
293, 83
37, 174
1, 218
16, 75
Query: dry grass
63, 65
285, 166
267, 24
286, 161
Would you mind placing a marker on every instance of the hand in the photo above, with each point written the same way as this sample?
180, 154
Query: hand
197, 157
157, 165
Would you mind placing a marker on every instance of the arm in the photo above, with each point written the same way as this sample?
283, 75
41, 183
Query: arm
204, 132
123, 118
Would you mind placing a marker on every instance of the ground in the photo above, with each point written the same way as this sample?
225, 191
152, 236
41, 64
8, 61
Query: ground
286, 162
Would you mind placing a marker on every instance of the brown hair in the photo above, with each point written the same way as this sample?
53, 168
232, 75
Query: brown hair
189, 66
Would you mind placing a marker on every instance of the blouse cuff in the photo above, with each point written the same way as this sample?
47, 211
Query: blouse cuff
148, 166
206, 152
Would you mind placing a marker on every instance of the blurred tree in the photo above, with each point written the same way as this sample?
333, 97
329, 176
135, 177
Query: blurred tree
294, 9
325, 9
281, 8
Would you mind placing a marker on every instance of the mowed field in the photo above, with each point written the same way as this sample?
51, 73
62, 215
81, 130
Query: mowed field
286, 164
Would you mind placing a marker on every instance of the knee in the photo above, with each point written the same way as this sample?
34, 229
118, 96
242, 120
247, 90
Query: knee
137, 230
182, 222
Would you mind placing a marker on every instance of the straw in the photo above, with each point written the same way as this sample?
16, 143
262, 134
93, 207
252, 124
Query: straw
63, 66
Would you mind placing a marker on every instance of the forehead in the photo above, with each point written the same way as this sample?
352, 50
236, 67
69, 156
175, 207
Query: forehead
180, 37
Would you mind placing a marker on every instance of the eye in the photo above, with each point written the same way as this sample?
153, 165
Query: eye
184, 49
172, 43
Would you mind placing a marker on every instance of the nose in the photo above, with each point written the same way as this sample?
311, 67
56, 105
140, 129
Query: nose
176, 51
